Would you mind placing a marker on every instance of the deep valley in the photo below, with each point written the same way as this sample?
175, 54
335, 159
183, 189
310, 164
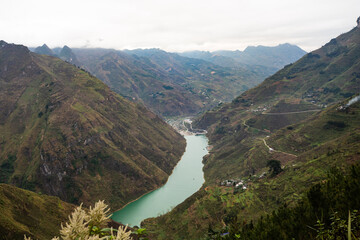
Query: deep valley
280, 159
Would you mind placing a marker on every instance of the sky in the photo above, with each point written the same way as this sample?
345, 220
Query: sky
175, 25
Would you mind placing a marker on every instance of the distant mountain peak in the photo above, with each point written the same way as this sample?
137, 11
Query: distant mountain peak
358, 22
65, 51
2, 43
67, 54
44, 49
279, 46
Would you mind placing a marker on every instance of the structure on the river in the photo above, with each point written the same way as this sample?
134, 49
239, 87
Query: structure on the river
188, 125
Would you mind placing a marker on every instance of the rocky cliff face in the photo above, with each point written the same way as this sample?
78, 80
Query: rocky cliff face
65, 133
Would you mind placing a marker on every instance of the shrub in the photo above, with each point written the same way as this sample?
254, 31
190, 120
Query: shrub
338, 125
275, 167
90, 225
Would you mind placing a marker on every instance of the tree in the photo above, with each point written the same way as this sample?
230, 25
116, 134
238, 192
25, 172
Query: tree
275, 167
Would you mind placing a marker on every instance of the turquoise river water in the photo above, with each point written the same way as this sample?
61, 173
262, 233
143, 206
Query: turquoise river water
185, 180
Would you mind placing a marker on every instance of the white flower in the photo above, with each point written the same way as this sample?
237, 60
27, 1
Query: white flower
121, 234
77, 226
97, 215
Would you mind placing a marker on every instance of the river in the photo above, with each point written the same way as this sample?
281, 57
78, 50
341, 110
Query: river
186, 178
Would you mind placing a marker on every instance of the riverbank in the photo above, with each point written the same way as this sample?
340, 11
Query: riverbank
186, 179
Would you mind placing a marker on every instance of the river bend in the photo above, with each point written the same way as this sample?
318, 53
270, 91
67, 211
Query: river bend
186, 178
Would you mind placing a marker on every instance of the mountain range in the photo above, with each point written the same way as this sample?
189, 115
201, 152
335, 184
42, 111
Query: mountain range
271, 57
65, 133
277, 151
169, 84
301, 118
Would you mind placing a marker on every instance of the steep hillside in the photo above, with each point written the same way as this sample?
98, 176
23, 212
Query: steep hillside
136, 80
168, 84
65, 133
25, 212
322, 77
291, 95
325, 211
306, 152
297, 118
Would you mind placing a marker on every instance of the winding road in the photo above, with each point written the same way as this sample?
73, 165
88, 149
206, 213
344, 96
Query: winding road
285, 113
273, 150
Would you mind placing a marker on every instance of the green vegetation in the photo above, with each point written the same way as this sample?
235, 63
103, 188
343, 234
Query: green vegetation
38, 216
167, 83
91, 224
65, 133
296, 117
323, 213
313, 82
215, 205
89, 143
25, 212
7, 168
275, 167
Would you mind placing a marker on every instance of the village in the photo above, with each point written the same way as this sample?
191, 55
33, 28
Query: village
241, 184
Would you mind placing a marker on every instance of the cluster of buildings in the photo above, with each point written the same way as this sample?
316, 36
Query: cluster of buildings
239, 184
234, 183
260, 109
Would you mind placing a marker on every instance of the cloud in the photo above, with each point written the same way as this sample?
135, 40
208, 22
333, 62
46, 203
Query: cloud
176, 25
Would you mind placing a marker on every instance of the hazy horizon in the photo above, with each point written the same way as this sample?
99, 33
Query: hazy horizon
33, 47
176, 26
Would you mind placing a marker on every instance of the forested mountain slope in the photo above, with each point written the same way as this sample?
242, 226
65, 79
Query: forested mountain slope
168, 84
65, 133
298, 118
26, 212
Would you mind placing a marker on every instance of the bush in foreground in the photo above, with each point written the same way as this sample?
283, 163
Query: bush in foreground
90, 225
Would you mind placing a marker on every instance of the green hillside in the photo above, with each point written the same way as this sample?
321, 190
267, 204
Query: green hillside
304, 164
322, 77
65, 133
291, 95
168, 84
136, 80
294, 117
25, 212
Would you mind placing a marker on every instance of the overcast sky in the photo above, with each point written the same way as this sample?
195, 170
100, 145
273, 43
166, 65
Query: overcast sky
176, 25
